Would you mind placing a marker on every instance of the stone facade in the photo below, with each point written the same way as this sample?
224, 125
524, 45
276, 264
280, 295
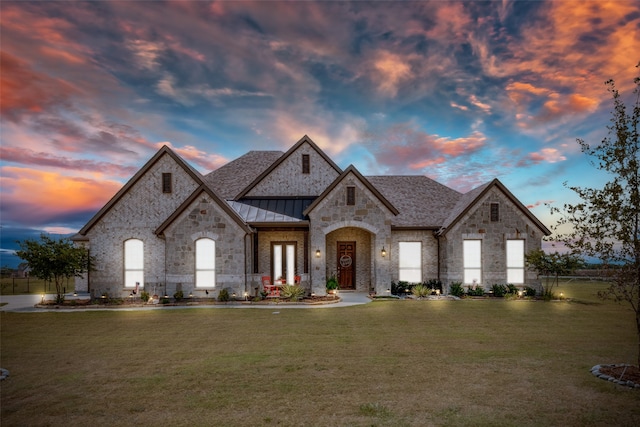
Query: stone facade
287, 178
477, 224
429, 251
205, 219
344, 207
140, 210
367, 222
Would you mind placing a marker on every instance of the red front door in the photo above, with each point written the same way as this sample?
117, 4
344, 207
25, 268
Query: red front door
346, 265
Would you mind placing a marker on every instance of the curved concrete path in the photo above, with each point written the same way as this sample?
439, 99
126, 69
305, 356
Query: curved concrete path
26, 303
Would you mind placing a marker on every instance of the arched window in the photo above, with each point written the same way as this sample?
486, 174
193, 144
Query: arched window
205, 263
133, 263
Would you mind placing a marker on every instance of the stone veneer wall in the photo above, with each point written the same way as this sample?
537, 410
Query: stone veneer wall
288, 180
136, 215
204, 218
477, 224
332, 213
429, 252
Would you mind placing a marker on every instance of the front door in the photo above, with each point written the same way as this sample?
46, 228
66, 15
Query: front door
346, 264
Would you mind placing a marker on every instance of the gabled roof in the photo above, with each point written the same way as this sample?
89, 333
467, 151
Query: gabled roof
203, 188
469, 200
421, 201
161, 152
266, 172
229, 180
352, 170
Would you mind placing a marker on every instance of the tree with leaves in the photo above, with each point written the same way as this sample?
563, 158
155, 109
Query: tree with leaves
606, 223
54, 260
552, 266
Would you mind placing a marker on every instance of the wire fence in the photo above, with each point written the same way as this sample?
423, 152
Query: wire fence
30, 285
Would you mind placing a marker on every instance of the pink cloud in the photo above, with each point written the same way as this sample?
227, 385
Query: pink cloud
32, 196
548, 155
25, 91
29, 157
402, 146
194, 155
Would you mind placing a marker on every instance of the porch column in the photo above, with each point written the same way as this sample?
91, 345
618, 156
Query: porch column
318, 271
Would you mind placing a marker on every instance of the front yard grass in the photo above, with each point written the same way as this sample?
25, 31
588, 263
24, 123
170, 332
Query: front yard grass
413, 363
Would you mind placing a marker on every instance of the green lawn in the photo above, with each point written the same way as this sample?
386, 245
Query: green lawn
413, 363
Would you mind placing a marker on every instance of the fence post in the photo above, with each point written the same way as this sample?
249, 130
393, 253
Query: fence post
13, 285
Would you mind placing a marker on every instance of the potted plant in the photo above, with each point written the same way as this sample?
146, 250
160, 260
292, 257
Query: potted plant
332, 285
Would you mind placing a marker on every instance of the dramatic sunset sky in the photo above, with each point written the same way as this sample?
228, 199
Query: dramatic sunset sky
459, 91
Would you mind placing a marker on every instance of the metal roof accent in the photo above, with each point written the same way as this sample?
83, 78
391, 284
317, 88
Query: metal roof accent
252, 214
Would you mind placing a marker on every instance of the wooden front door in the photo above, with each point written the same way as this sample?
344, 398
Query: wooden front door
346, 265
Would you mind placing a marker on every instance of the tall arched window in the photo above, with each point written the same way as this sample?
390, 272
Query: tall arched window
133, 263
205, 263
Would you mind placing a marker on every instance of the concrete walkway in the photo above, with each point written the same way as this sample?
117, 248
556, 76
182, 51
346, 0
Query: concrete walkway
26, 304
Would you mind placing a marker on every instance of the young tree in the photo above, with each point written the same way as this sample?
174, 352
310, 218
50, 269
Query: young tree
606, 223
54, 260
552, 266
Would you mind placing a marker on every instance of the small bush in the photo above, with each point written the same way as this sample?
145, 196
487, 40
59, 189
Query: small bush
292, 292
401, 288
478, 291
165, 300
223, 296
456, 289
499, 290
529, 292
421, 290
178, 296
434, 285
512, 289
144, 296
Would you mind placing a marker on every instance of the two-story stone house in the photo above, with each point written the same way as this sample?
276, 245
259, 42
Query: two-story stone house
297, 215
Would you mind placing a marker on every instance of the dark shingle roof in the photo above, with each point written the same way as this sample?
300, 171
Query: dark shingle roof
229, 180
463, 203
421, 201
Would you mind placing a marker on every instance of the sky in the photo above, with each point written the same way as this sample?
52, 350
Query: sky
462, 92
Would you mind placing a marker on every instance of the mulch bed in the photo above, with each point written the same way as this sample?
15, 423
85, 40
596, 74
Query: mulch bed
622, 372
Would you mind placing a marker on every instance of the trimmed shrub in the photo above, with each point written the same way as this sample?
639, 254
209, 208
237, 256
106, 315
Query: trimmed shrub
144, 296
456, 289
178, 296
401, 288
223, 296
434, 285
529, 292
499, 290
478, 291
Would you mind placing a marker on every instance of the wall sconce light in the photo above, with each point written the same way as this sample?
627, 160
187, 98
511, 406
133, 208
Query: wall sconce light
317, 253
383, 252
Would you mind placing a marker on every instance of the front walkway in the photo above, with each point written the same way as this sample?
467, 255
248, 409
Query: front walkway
26, 304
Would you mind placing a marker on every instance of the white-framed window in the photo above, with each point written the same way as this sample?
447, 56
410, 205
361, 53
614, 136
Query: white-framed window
410, 262
515, 261
134, 263
205, 263
283, 255
472, 256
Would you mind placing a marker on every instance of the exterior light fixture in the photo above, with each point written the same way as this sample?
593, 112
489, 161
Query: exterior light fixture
317, 253
383, 252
